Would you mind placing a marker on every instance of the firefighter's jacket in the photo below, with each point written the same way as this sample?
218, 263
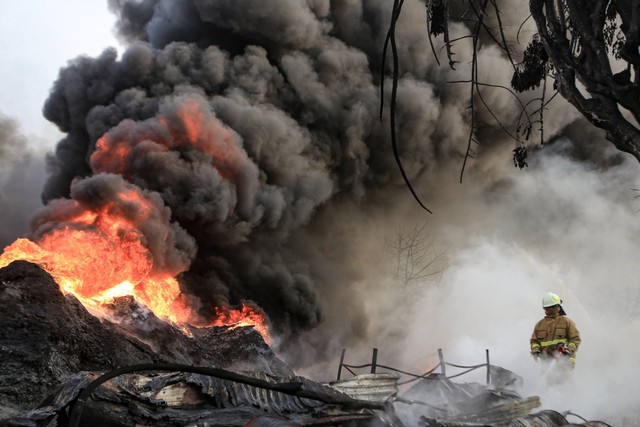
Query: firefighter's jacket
552, 332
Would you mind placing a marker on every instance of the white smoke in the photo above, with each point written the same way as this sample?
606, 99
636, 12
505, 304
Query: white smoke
560, 226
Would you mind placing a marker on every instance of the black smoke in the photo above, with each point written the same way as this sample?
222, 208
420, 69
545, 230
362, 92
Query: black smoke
290, 153
296, 102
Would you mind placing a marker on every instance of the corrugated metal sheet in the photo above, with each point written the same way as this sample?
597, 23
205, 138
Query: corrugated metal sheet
369, 387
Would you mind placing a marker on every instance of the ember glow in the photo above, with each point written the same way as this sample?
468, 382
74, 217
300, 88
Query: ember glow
114, 239
246, 316
92, 266
190, 127
100, 263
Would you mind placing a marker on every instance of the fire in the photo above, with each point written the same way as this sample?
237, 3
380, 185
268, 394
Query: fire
98, 256
190, 127
97, 250
245, 316
97, 268
216, 141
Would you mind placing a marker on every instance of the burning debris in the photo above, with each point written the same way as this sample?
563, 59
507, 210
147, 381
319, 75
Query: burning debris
198, 202
54, 352
195, 163
46, 336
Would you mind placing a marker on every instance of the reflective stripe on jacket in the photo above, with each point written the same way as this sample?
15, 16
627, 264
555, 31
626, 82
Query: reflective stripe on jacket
554, 330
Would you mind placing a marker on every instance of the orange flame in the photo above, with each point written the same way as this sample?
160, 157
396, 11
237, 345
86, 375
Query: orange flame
97, 270
216, 141
192, 127
245, 316
98, 254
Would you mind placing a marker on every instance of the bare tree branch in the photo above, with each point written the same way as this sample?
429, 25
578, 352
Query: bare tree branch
577, 45
414, 256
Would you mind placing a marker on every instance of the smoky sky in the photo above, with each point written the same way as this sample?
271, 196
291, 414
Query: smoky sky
22, 174
285, 195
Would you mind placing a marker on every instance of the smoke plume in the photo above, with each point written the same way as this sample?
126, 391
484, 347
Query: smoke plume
22, 173
254, 128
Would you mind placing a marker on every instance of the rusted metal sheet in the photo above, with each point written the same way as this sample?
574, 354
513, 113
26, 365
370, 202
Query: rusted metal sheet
369, 387
545, 418
500, 412
438, 401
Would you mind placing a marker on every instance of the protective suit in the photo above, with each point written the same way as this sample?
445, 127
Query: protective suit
556, 335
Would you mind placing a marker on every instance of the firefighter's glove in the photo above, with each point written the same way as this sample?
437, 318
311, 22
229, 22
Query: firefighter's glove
536, 354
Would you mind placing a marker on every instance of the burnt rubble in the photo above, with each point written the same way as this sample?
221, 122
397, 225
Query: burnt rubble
54, 352
63, 367
190, 396
47, 337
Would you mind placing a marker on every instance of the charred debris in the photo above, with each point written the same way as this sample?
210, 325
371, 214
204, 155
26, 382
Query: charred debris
61, 366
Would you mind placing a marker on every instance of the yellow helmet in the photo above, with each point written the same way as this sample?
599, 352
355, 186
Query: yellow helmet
550, 299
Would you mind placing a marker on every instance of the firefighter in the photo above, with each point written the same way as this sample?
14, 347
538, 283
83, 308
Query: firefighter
555, 336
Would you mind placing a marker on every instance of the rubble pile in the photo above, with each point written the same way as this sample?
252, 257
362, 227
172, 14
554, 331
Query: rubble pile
47, 337
63, 367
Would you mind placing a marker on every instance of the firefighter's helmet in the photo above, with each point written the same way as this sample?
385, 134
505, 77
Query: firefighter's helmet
551, 299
